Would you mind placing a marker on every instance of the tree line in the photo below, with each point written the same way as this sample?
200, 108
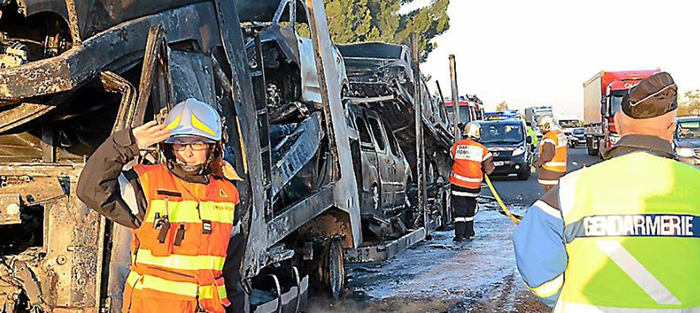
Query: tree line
353, 21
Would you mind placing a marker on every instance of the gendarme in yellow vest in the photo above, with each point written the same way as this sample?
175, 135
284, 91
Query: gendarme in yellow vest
632, 234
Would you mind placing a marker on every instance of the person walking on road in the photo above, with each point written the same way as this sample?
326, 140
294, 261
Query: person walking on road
533, 135
622, 235
551, 160
181, 212
471, 161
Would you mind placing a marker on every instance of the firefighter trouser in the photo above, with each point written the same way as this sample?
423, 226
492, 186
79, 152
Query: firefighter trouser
464, 209
547, 187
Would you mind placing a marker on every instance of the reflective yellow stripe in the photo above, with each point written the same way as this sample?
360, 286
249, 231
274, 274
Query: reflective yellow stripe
548, 182
187, 212
174, 123
132, 279
549, 288
555, 164
182, 262
467, 179
208, 292
221, 212
140, 282
201, 126
550, 141
222, 291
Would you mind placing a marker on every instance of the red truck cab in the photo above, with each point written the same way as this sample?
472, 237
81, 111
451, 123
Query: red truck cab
469, 110
601, 130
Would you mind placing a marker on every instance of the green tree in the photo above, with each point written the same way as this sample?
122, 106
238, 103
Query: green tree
689, 104
353, 21
502, 106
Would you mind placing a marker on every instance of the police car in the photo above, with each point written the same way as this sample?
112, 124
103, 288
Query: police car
507, 140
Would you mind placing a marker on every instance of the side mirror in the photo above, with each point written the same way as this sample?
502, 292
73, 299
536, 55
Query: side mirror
603, 107
529, 139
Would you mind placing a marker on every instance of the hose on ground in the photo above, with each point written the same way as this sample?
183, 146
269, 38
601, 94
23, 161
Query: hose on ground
512, 217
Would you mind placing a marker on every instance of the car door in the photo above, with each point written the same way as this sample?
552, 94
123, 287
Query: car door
400, 169
385, 160
370, 165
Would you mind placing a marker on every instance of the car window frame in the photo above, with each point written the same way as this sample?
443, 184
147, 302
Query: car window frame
376, 142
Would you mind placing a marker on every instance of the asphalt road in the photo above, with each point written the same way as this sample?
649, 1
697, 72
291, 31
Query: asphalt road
439, 275
514, 191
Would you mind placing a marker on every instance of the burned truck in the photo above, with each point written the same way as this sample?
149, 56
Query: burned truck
73, 72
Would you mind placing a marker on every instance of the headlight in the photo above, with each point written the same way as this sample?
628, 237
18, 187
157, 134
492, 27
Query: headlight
685, 152
518, 151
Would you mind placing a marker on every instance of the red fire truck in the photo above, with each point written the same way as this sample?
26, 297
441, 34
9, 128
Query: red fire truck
470, 109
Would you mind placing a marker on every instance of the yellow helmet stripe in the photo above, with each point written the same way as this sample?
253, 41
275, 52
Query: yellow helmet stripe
174, 123
199, 125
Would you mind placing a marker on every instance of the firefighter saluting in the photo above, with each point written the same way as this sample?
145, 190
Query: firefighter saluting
181, 212
551, 160
471, 161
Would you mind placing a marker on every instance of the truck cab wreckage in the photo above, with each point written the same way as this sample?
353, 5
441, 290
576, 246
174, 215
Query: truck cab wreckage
318, 189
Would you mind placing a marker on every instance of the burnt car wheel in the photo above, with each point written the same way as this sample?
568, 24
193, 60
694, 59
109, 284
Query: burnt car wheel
332, 268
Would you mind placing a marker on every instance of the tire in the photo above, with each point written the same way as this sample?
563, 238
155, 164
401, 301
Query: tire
331, 269
524, 175
589, 146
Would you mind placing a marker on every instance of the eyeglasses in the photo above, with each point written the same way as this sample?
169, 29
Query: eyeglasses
196, 146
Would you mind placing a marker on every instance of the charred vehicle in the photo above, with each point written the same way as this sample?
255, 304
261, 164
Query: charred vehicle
382, 80
386, 174
378, 69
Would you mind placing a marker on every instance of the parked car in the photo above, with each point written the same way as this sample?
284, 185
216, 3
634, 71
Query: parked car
510, 146
577, 137
686, 140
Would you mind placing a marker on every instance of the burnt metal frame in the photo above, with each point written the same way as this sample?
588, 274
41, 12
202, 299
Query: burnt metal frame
455, 98
77, 66
72, 70
341, 193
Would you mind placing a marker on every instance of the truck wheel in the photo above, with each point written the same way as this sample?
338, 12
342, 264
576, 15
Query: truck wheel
589, 146
331, 268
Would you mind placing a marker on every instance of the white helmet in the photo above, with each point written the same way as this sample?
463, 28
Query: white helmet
194, 118
546, 123
472, 130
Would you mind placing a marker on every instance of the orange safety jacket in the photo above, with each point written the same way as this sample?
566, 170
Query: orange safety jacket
468, 156
558, 139
179, 250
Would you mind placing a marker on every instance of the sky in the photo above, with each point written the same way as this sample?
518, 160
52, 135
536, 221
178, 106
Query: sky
540, 52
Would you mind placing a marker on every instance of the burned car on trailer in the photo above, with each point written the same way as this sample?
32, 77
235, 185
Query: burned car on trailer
382, 83
385, 174
289, 59
381, 69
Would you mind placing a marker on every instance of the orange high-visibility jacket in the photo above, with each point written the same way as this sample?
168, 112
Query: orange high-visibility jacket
468, 156
558, 139
180, 268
